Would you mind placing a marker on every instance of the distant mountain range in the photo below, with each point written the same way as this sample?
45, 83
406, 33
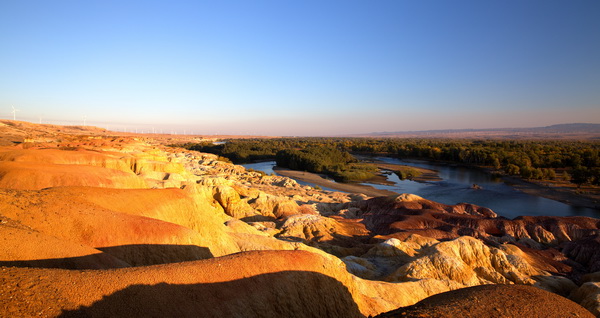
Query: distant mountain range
560, 131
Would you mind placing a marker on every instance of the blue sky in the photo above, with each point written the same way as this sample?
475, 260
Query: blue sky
301, 67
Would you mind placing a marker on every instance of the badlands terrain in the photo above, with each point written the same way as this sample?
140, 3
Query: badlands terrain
96, 224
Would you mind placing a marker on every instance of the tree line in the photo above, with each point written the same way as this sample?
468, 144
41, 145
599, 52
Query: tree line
578, 162
575, 161
338, 164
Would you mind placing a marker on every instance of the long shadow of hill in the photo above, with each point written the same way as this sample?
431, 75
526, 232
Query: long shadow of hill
122, 256
282, 294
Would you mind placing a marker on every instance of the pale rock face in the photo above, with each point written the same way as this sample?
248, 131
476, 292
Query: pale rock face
530, 243
466, 208
213, 181
308, 227
394, 248
286, 208
254, 242
407, 197
542, 235
247, 202
517, 258
386, 296
361, 267
287, 183
143, 165
327, 209
588, 296
270, 228
154, 175
592, 277
232, 203
533, 232
555, 284
265, 204
350, 213
422, 241
237, 226
467, 261
385, 258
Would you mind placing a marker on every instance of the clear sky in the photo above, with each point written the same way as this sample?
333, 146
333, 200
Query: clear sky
301, 67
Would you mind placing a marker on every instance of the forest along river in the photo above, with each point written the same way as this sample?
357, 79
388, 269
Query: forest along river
456, 187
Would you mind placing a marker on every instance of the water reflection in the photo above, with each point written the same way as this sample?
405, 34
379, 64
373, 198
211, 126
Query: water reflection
456, 187
267, 167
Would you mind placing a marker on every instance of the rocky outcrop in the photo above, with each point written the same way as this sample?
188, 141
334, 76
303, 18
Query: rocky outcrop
384, 258
333, 235
465, 261
469, 262
37, 176
585, 251
588, 294
493, 301
140, 227
27, 248
402, 215
233, 204
265, 284
94, 167
80, 212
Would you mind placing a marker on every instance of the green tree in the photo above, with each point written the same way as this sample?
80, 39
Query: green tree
549, 174
513, 169
580, 175
526, 172
537, 174
496, 163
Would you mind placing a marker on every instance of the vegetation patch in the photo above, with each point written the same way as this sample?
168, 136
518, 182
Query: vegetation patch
339, 165
407, 173
577, 162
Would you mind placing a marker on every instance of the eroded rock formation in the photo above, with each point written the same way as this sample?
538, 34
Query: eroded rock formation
493, 301
256, 245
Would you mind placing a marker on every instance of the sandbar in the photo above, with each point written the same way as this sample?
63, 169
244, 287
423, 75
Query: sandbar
322, 182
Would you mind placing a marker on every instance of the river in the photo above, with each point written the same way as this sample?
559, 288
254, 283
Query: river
267, 167
455, 187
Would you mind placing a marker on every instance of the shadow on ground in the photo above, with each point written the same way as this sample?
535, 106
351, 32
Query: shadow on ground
282, 294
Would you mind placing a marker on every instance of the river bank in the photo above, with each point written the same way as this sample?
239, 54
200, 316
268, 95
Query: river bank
564, 192
499, 193
322, 182
425, 175
422, 174
558, 192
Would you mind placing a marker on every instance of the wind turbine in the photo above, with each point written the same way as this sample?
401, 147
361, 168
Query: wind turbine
14, 112
84, 118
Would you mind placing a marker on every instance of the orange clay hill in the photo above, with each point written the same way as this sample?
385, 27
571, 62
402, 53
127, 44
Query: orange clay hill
96, 224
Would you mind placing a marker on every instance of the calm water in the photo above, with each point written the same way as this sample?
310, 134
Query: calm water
455, 187
267, 167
